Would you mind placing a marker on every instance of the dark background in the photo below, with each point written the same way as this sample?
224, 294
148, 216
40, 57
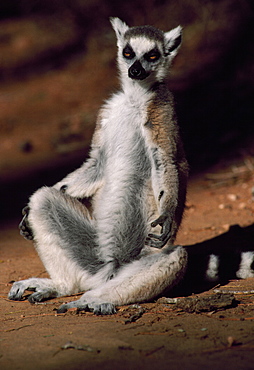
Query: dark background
212, 79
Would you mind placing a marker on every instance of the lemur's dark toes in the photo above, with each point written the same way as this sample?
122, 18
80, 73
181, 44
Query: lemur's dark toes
26, 235
62, 309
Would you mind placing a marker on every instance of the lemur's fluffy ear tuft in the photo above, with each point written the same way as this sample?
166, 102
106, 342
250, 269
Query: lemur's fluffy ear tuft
119, 27
173, 40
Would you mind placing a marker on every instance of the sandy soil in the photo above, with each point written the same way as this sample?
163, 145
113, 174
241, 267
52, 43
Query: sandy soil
152, 334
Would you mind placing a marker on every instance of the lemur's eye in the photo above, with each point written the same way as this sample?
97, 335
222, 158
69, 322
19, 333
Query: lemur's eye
153, 55
128, 53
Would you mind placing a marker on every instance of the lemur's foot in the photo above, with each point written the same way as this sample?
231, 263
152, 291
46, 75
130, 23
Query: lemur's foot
96, 308
36, 285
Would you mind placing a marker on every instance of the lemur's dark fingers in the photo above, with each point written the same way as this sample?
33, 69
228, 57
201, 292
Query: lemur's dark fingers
158, 241
165, 223
159, 221
162, 237
155, 243
166, 229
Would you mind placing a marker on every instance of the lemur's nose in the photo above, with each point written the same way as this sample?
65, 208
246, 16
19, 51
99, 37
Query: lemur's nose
137, 72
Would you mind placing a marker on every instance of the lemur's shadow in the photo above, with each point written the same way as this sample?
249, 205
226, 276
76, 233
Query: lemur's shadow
228, 247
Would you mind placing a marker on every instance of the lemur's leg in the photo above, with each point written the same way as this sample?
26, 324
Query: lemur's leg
64, 236
137, 281
122, 220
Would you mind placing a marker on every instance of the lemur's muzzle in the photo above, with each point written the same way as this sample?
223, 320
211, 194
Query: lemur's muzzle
137, 72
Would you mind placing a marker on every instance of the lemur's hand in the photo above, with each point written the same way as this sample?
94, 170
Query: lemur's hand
158, 241
25, 229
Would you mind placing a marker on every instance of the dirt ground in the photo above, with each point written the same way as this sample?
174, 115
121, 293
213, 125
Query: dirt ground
145, 336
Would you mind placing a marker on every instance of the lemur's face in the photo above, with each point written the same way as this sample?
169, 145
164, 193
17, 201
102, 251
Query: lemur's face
144, 53
142, 57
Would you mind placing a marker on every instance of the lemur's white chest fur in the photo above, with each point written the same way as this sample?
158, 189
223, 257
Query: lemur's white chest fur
127, 162
123, 128
122, 116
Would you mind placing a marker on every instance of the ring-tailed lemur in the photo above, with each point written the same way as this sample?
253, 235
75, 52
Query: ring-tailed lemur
121, 252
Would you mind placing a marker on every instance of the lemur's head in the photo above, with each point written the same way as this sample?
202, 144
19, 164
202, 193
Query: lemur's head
145, 52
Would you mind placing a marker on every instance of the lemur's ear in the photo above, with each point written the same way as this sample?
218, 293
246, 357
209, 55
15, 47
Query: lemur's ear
173, 40
119, 27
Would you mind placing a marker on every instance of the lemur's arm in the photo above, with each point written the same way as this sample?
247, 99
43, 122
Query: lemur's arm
169, 174
87, 179
165, 187
83, 182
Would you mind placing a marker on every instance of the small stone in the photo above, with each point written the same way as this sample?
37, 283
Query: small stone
226, 227
231, 341
232, 197
242, 205
225, 206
